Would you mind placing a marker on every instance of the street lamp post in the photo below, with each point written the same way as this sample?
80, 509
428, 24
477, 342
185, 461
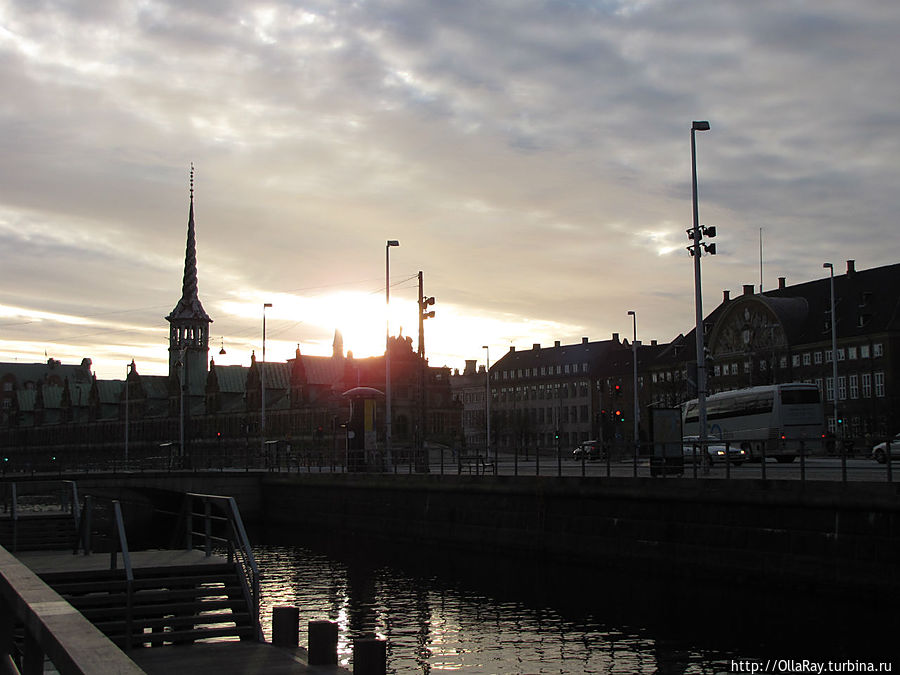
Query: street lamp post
262, 384
637, 409
695, 248
127, 370
487, 408
388, 439
834, 367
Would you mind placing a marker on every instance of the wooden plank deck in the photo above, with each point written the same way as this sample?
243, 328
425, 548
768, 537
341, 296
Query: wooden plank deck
222, 658
43, 562
228, 658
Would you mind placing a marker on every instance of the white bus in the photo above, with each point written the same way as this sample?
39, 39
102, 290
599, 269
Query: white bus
770, 421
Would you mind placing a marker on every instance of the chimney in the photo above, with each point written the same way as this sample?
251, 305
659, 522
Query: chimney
556, 343
536, 346
748, 289
470, 367
584, 340
615, 337
512, 348
726, 296
653, 343
782, 283
851, 267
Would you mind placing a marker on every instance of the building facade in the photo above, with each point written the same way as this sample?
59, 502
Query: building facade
785, 335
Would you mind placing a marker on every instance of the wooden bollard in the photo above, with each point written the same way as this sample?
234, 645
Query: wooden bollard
369, 656
323, 642
285, 626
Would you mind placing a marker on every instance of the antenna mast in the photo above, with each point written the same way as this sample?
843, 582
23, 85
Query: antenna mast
760, 261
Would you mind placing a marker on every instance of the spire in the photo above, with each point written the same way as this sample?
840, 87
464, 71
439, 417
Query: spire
338, 345
189, 307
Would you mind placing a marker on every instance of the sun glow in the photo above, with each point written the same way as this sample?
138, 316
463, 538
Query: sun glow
453, 336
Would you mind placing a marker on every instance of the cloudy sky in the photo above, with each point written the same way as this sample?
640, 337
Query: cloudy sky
532, 158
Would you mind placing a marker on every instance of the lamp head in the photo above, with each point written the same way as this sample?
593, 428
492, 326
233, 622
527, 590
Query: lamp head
700, 126
828, 266
393, 242
267, 304
631, 312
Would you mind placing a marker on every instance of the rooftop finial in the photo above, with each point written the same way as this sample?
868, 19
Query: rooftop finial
192, 181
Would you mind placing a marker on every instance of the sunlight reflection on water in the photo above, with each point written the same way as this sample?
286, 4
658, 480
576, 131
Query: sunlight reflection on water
432, 625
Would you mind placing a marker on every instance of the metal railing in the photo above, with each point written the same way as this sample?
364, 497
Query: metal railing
523, 459
48, 498
222, 527
112, 528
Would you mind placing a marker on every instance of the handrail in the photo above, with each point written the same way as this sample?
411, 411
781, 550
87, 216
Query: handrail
53, 628
129, 573
236, 541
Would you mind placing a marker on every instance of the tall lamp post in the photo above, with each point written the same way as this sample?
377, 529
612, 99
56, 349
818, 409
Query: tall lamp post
262, 384
695, 234
637, 409
834, 360
487, 401
127, 371
388, 439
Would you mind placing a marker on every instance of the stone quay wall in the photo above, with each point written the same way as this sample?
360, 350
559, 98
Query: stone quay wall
812, 535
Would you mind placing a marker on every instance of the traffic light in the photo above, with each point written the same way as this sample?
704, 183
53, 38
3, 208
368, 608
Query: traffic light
617, 390
619, 417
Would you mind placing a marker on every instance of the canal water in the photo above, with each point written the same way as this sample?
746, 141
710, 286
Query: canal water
443, 611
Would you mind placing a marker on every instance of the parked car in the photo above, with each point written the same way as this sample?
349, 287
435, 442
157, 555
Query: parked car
879, 451
715, 450
589, 450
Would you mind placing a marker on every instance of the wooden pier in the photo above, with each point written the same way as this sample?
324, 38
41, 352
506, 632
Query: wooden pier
167, 610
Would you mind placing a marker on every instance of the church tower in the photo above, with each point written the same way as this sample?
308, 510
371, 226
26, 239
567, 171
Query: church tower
188, 322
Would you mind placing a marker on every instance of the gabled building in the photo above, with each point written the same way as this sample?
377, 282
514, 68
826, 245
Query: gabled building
784, 335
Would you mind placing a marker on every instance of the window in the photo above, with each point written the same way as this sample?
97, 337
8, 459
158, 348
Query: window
841, 354
782, 363
763, 365
819, 384
867, 385
877, 350
828, 356
817, 358
854, 386
795, 360
829, 388
748, 366
879, 384
717, 370
842, 388
654, 374
726, 369
864, 351
851, 353
806, 360
567, 369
